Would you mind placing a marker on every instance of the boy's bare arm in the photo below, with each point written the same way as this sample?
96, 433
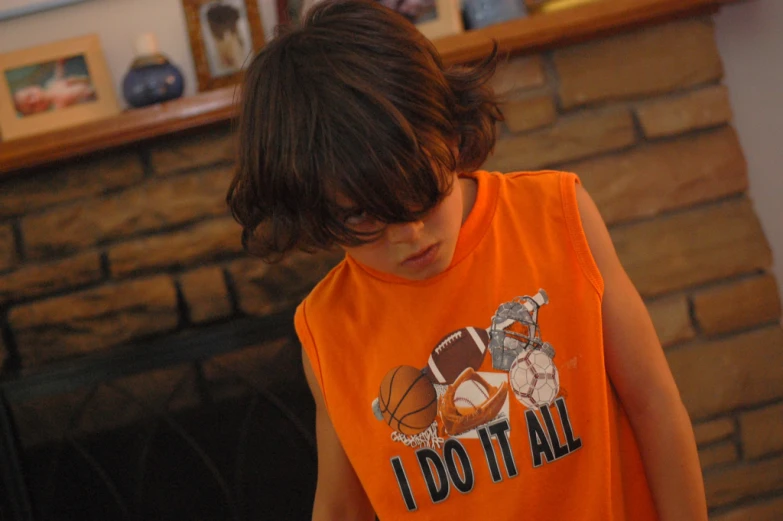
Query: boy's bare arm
639, 372
339, 494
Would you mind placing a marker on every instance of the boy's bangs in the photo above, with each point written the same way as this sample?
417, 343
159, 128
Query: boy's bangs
385, 195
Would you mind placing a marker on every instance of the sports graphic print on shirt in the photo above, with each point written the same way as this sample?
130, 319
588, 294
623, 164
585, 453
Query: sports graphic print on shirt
431, 409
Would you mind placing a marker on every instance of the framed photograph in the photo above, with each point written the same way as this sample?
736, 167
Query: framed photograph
292, 12
54, 86
224, 35
434, 18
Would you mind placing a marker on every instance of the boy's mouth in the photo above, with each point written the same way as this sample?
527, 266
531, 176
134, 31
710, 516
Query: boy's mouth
423, 257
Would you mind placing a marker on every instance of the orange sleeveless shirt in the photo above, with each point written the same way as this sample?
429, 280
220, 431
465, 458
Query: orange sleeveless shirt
481, 393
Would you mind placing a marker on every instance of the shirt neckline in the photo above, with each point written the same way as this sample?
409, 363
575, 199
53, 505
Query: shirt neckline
472, 231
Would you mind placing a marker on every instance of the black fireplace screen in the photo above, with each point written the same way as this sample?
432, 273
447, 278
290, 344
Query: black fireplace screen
215, 424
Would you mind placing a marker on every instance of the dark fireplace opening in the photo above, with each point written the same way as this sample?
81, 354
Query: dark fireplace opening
215, 424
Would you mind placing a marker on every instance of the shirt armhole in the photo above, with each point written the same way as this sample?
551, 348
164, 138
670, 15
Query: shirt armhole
568, 182
308, 344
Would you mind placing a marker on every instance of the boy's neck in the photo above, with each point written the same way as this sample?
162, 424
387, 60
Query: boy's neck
469, 188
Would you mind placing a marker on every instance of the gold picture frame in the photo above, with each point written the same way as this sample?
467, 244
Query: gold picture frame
224, 35
54, 86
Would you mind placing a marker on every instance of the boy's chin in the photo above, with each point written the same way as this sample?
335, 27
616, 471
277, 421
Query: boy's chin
434, 269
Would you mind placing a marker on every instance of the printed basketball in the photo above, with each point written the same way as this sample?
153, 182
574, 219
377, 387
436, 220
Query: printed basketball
456, 352
407, 400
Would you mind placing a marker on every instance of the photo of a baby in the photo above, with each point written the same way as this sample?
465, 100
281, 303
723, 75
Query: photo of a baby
50, 86
226, 34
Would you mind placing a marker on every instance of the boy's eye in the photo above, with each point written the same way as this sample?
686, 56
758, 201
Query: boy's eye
361, 221
356, 218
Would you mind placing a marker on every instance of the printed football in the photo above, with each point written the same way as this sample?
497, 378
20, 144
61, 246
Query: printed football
534, 378
456, 352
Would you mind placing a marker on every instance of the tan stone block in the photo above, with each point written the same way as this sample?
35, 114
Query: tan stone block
266, 288
703, 108
762, 431
771, 510
718, 454
205, 294
705, 244
153, 205
205, 148
200, 243
725, 486
529, 113
8, 255
672, 319
651, 61
716, 377
39, 279
93, 319
652, 178
712, 431
81, 178
569, 139
737, 305
519, 73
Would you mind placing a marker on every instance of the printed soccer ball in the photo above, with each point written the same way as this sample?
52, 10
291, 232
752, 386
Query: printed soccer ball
534, 378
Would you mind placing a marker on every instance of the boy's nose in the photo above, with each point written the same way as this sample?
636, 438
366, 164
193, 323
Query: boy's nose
404, 232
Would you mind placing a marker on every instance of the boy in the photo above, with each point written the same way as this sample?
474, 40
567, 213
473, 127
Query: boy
479, 353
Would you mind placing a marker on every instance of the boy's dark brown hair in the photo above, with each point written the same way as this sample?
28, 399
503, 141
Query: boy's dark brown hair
355, 102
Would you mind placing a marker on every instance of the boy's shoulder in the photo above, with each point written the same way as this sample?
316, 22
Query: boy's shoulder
529, 187
331, 300
530, 176
539, 179
333, 284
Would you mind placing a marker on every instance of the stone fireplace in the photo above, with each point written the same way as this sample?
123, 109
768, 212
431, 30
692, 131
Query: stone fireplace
133, 247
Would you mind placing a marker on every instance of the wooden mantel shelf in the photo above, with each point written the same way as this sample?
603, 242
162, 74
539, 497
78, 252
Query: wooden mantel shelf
525, 34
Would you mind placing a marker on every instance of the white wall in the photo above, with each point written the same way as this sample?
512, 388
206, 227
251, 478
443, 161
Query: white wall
750, 39
118, 23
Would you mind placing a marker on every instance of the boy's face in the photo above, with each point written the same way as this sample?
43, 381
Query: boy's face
421, 249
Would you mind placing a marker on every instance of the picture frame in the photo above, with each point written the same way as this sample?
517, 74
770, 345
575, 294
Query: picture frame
448, 20
434, 18
291, 12
54, 86
224, 35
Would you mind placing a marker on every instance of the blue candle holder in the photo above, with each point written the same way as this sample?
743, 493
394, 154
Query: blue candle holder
152, 78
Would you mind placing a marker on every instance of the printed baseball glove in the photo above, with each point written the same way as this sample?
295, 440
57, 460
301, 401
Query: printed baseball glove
456, 418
